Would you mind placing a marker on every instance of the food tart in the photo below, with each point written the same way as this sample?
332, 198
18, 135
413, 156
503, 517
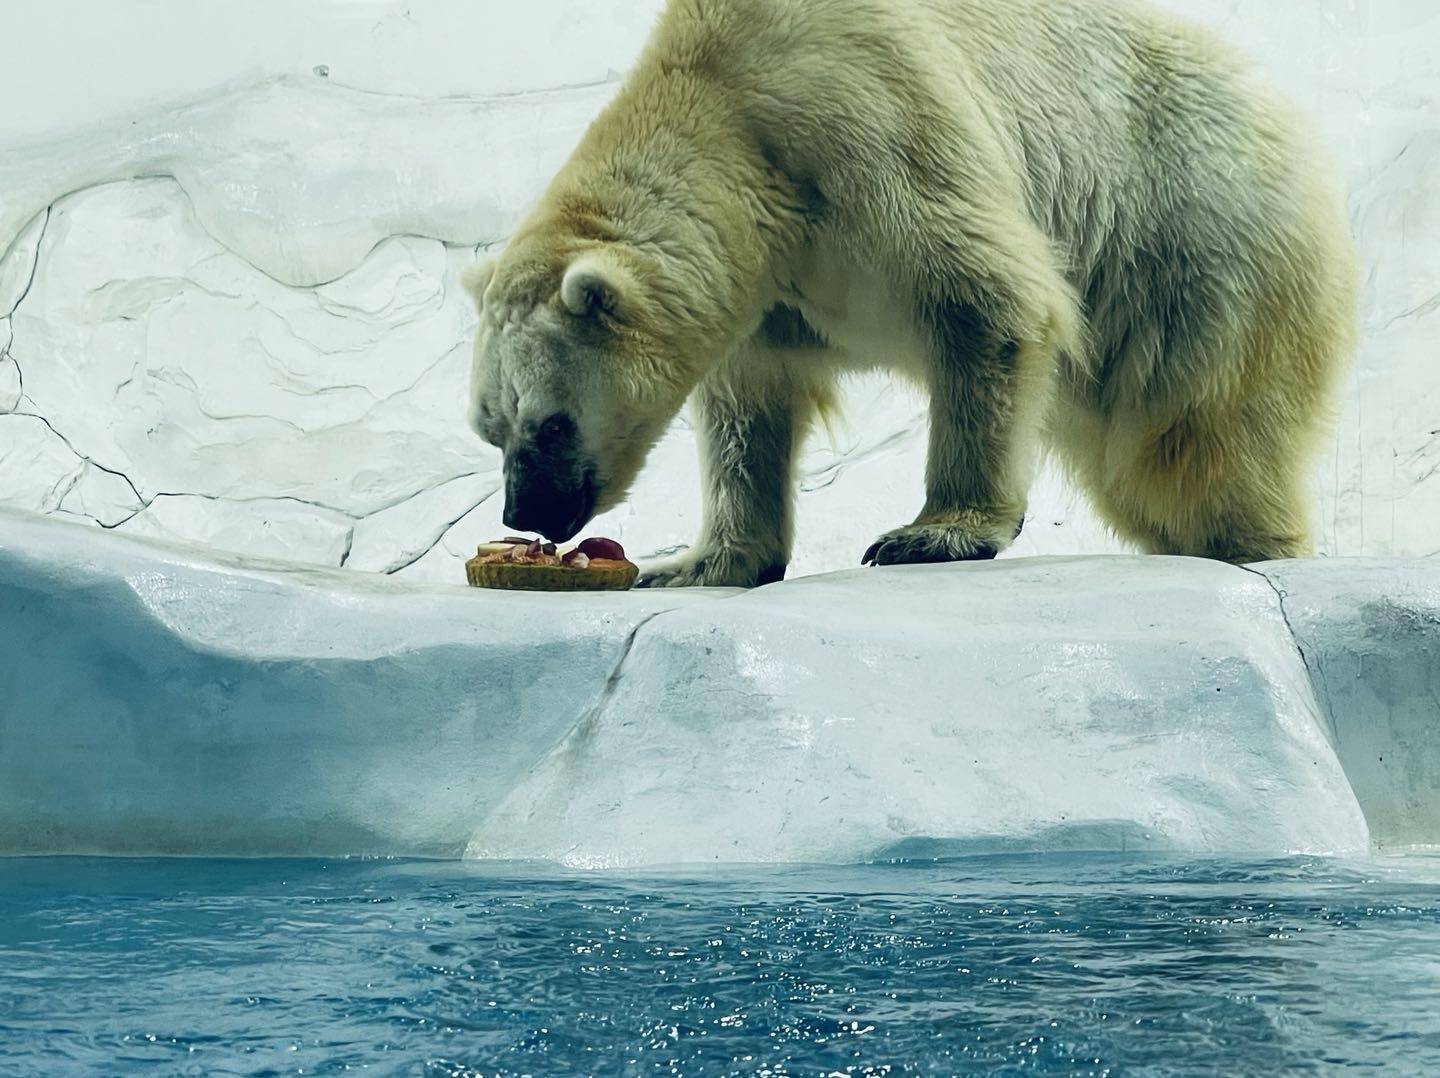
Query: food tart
525, 565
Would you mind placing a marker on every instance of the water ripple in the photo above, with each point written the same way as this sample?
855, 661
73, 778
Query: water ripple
1074, 965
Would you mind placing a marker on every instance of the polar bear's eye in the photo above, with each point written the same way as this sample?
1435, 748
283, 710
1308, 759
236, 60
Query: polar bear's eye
556, 429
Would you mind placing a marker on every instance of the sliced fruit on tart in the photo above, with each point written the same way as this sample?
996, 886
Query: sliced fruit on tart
532, 565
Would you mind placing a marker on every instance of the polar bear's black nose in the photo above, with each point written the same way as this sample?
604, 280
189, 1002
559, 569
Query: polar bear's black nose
554, 512
549, 487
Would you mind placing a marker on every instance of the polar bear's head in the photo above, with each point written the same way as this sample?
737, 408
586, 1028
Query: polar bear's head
575, 378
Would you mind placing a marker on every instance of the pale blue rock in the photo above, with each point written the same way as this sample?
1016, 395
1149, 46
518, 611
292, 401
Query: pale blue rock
158, 699
1369, 629
1066, 703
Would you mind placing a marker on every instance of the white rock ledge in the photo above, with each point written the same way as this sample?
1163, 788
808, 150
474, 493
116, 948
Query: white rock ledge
1075, 703
159, 700
1369, 629
163, 700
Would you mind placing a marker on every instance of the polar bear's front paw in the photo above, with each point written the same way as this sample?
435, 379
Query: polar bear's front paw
717, 568
971, 538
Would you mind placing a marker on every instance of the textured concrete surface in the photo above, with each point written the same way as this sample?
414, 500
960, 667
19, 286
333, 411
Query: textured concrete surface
158, 699
153, 700
1037, 704
1369, 630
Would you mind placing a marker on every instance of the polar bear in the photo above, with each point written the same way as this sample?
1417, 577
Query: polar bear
1083, 226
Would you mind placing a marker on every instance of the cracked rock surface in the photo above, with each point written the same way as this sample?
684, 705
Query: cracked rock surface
225, 705
935, 711
251, 707
230, 315
1369, 631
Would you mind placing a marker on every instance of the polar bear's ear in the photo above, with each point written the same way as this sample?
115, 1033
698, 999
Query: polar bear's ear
475, 279
597, 281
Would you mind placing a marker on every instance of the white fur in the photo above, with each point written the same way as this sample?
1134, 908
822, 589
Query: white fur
1078, 223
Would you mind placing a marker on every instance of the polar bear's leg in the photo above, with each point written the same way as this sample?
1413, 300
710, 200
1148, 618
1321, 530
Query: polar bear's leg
1223, 484
989, 395
751, 416
1206, 479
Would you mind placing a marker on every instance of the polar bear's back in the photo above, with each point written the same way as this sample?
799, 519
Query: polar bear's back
1182, 191
1190, 198
1114, 115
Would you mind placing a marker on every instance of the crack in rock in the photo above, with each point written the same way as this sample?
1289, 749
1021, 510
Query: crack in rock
205, 229
34, 263
612, 683
349, 546
146, 502
9, 317
1312, 669
439, 538
83, 457
1421, 310
6, 357
587, 718
252, 499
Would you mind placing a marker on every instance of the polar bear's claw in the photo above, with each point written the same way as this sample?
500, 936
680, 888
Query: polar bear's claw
921, 544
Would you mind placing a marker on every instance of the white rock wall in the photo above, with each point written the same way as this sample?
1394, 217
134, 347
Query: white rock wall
1369, 630
164, 699
230, 236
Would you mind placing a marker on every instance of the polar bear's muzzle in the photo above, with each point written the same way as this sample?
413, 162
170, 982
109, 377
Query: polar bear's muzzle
550, 484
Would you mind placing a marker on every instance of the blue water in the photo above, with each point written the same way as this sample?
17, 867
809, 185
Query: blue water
1074, 965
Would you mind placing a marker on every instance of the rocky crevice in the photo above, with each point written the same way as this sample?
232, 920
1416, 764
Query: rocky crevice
143, 502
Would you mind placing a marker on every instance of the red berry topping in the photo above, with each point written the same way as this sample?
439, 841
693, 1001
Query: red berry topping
602, 548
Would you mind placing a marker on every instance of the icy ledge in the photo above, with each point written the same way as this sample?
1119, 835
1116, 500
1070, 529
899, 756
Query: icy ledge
157, 699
